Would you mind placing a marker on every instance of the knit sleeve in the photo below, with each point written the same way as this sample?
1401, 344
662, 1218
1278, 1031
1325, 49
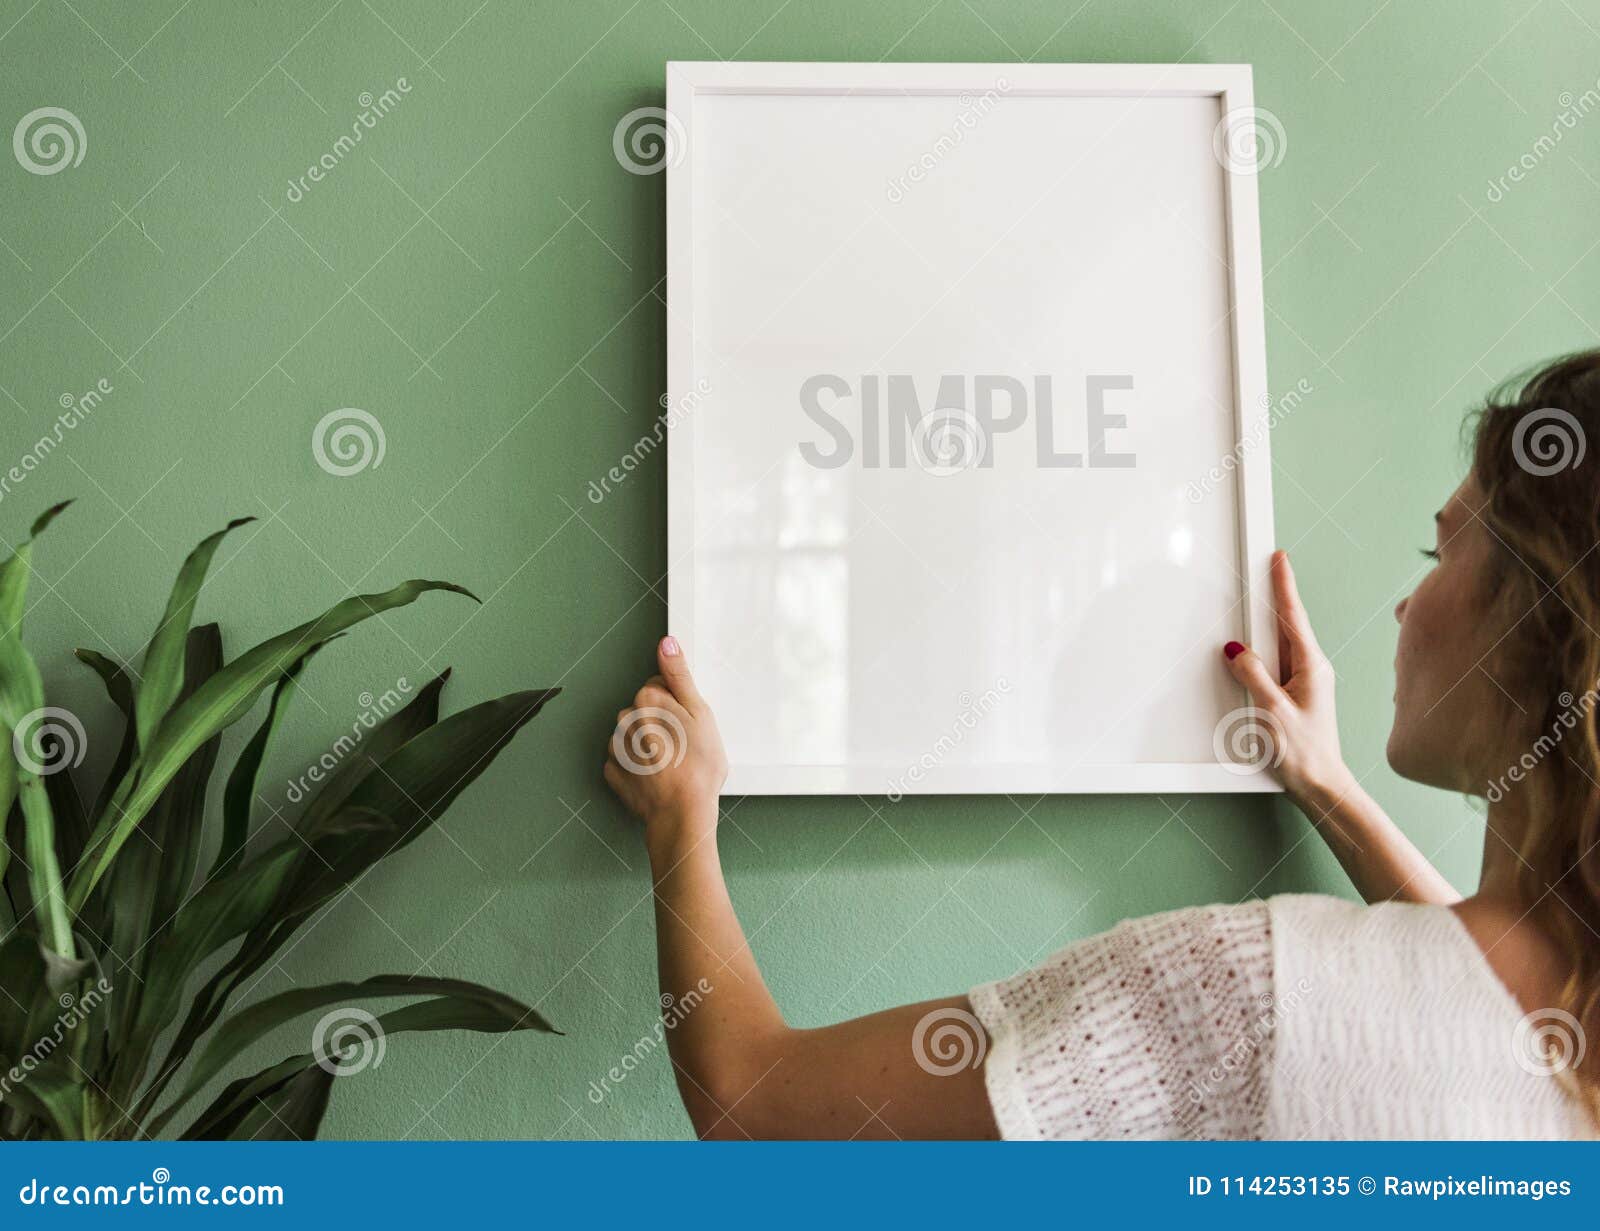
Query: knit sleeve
1159, 1028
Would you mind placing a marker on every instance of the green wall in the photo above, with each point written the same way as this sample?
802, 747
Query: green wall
229, 320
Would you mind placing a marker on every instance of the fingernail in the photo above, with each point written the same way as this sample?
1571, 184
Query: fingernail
671, 648
1233, 649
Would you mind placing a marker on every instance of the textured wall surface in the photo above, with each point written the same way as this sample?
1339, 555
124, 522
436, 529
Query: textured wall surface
482, 277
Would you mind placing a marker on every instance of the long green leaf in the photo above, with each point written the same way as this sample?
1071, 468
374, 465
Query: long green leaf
164, 659
221, 911
72, 818
420, 713
239, 795
145, 887
51, 1093
176, 822
467, 1002
292, 1113
18, 900
223, 699
281, 1103
14, 574
21, 698
485, 1011
8, 796
418, 781
120, 689
22, 977
398, 801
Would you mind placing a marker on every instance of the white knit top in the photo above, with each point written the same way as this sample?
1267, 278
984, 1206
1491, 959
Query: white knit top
1301, 1016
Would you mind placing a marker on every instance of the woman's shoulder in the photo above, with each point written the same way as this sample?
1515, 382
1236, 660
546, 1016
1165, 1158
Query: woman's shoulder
1489, 951
1401, 1026
1382, 953
1299, 931
1299, 920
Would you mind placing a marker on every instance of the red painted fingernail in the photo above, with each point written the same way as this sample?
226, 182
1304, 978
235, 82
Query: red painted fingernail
1233, 649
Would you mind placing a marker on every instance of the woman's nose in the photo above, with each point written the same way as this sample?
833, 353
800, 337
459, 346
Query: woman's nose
1400, 610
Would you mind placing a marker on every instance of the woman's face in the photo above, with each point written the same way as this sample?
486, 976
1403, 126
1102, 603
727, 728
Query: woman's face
1449, 708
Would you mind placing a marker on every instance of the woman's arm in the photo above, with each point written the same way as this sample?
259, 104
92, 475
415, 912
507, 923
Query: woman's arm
1382, 863
1380, 860
742, 1070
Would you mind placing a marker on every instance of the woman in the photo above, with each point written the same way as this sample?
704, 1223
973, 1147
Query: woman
1423, 1015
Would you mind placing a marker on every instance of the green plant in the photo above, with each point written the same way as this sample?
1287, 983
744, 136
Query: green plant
103, 935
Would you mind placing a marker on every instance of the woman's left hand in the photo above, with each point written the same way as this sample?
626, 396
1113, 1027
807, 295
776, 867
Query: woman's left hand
665, 760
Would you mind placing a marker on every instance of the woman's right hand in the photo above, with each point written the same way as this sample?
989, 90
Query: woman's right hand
1299, 704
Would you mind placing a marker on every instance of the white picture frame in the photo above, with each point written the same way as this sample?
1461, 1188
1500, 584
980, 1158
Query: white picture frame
1112, 209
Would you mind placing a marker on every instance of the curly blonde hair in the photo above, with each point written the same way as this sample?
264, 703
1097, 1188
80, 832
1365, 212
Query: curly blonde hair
1536, 457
